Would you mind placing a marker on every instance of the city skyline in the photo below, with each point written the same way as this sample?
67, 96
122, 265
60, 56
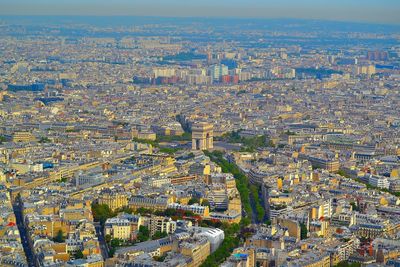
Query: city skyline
371, 11
199, 134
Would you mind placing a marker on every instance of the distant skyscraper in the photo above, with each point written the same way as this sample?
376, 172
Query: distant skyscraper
368, 70
217, 71
164, 72
209, 56
377, 55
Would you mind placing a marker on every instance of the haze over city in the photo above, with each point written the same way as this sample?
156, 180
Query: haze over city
376, 11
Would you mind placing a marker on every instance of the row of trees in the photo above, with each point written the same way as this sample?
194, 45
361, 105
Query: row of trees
250, 144
233, 231
258, 202
165, 138
241, 180
170, 138
145, 141
167, 150
230, 242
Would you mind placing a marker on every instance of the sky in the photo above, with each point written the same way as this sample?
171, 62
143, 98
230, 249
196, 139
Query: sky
373, 11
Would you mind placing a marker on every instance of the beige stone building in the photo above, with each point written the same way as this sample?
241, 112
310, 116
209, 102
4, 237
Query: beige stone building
202, 136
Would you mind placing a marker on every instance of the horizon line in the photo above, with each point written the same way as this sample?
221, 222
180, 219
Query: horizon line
209, 17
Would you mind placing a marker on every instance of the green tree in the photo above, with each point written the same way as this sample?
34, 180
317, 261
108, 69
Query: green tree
2, 139
160, 258
111, 251
158, 235
79, 255
63, 180
44, 140
188, 213
115, 242
144, 234
303, 231
101, 212
343, 173
169, 150
290, 133
193, 200
59, 238
125, 210
144, 211
205, 202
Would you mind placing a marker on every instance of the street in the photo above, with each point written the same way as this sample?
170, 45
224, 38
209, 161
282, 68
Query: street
24, 236
102, 241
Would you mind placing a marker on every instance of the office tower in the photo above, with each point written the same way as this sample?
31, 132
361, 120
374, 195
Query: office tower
217, 71
367, 70
377, 55
166, 72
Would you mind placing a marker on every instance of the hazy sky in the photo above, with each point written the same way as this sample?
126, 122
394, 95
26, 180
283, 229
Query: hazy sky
380, 11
